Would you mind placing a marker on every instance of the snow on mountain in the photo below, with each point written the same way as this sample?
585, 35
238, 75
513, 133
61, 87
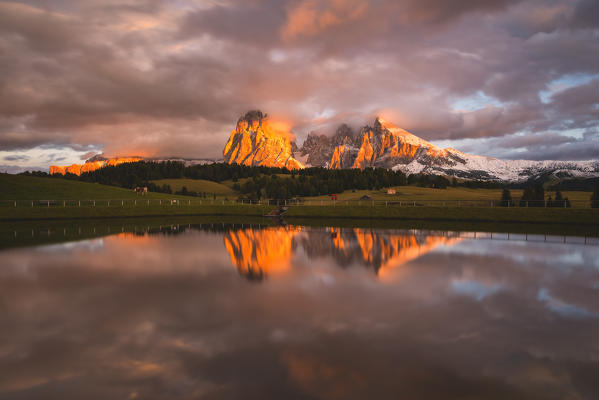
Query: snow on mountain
385, 145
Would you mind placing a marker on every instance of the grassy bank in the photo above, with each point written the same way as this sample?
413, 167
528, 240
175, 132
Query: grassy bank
573, 217
456, 214
37, 213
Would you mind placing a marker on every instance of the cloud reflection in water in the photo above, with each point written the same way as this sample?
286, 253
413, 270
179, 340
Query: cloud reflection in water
331, 314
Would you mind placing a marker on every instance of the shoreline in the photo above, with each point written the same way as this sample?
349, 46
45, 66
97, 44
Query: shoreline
569, 216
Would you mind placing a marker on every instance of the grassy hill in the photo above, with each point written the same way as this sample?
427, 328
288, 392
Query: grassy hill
21, 187
199, 185
416, 193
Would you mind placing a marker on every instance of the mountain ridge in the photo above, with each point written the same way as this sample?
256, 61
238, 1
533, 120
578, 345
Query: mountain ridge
257, 141
385, 145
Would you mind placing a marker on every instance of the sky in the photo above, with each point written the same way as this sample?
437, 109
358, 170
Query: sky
169, 78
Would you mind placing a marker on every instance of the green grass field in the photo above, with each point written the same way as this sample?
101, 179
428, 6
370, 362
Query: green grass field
415, 193
579, 217
95, 203
200, 186
20, 187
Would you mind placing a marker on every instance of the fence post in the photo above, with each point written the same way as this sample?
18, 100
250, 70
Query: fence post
94, 203
15, 203
64, 203
32, 204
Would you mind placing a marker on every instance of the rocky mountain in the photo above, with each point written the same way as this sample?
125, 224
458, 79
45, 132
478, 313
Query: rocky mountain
92, 164
254, 141
99, 161
385, 145
336, 152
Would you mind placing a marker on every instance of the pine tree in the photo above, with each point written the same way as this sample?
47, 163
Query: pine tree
539, 196
527, 197
559, 202
595, 199
506, 198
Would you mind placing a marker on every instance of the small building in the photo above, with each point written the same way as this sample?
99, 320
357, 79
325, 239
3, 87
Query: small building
391, 191
333, 197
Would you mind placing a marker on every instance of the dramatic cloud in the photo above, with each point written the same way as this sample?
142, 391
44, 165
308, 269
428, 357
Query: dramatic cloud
164, 78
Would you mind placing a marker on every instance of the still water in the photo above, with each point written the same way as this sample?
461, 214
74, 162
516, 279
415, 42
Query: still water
292, 312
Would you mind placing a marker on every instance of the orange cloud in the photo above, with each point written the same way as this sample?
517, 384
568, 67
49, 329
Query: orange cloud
311, 17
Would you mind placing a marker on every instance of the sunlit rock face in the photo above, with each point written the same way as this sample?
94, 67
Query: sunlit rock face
91, 165
255, 142
385, 145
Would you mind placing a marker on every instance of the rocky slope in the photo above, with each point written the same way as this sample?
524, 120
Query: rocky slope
255, 142
385, 145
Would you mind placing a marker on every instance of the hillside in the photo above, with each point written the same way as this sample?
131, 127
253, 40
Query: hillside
198, 185
21, 187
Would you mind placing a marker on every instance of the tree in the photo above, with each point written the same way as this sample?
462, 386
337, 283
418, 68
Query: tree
539, 195
527, 197
506, 198
595, 199
559, 201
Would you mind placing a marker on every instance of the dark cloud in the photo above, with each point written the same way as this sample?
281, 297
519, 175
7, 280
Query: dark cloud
16, 157
586, 14
163, 78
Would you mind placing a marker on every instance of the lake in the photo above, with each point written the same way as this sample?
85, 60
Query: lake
253, 311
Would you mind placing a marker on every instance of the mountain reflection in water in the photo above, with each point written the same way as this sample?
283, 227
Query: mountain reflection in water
339, 313
261, 252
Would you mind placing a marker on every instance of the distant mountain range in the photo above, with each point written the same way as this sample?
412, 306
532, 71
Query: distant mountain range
382, 145
98, 161
256, 142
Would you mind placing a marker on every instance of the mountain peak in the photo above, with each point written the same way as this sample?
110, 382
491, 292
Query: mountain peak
256, 141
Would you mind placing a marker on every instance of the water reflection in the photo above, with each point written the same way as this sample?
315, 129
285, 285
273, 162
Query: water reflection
338, 313
258, 253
